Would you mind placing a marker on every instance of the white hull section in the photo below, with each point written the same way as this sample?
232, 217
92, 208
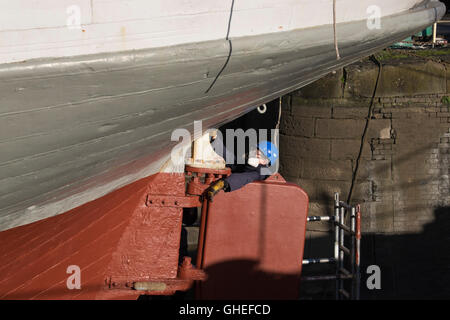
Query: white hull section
31, 29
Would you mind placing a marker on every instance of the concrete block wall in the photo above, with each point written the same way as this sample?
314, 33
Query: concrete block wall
403, 172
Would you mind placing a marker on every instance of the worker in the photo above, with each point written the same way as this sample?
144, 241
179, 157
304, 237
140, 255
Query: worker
262, 157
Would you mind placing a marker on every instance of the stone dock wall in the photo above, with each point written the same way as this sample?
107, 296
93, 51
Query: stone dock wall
403, 171
403, 177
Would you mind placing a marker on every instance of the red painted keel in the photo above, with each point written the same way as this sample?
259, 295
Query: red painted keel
115, 240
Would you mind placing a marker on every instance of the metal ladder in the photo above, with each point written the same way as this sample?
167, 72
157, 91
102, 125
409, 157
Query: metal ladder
342, 254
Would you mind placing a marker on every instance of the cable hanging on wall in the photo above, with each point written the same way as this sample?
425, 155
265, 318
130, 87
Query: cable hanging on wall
366, 128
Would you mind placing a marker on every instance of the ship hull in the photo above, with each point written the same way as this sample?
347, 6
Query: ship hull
75, 128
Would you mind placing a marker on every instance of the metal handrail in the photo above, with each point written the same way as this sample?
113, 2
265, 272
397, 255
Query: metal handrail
340, 250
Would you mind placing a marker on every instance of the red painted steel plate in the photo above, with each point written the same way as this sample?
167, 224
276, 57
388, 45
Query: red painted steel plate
114, 240
254, 242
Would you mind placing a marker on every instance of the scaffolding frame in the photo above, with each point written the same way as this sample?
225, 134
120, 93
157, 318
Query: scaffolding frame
342, 254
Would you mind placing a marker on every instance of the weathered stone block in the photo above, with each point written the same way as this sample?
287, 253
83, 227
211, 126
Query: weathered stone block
300, 109
290, 179
432, 109
415, 132
304, 147
290, 166
321, 208
381, 225
286, 104
379, 128
362, 191
400, 115
377, 217
337, 128
295, 126
409, 78
327, 169
411, 226
385, 152
348, 149
384, 189
375, 170
352, 128
447, 74
410, 171
330, 86
343, 112
379, 157
323, 191
360, 80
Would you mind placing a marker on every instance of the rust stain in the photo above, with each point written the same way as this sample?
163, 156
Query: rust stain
123, 34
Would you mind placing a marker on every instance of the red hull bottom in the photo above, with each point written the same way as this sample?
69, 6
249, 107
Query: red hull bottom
115, 241
127, 243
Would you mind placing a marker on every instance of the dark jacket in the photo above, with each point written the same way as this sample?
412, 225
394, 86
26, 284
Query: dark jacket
242, 176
